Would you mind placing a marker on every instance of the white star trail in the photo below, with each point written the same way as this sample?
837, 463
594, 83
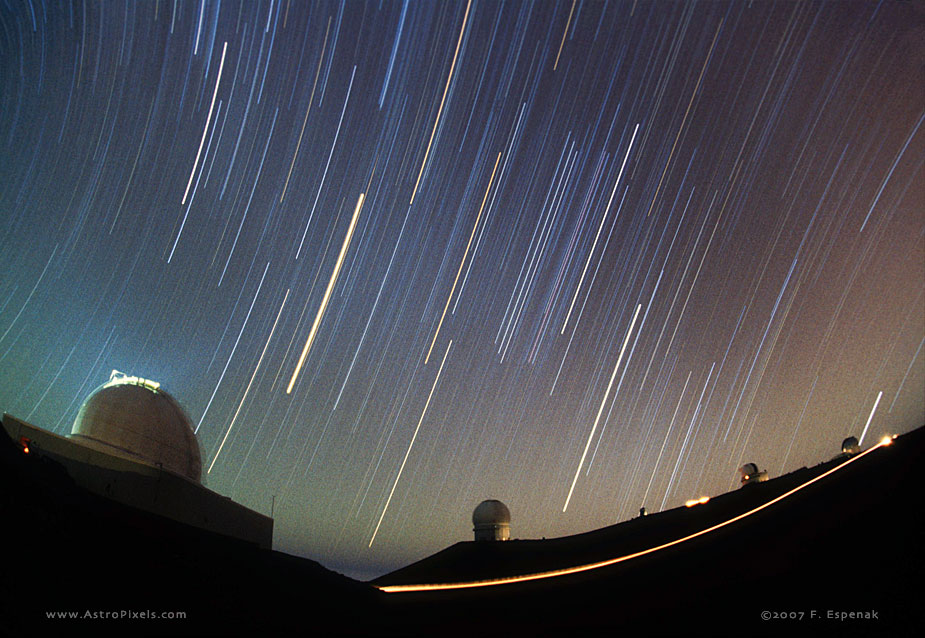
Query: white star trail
600, 410
410, 445
449, 78
870, 418
218, 79
249, 384
599, 229
463, 261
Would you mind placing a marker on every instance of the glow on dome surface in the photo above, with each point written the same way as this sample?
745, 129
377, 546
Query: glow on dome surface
120, 378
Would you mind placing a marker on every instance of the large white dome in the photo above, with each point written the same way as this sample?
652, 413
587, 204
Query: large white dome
133, 417
491, 512
491, 521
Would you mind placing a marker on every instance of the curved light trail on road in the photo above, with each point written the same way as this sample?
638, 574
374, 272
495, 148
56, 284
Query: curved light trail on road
393, 589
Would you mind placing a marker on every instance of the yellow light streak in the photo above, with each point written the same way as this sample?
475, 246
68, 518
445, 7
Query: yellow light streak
568, 22
442, 99
697, 501
308, 110
462, 263
327, 293
613, 561
208, 120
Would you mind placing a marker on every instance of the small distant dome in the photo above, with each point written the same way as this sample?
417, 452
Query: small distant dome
749, 474
850, 445
133, 417
491, 521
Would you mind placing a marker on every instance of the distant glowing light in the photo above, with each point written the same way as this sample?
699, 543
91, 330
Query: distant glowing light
390, 589
698, 501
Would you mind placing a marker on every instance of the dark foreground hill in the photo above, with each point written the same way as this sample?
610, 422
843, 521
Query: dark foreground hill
851, 542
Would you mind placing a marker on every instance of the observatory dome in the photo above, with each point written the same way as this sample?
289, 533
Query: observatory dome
133, 417
749, 474
850, 445
747, 470
491, 521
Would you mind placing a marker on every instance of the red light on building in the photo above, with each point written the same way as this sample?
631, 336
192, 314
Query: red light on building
24, 442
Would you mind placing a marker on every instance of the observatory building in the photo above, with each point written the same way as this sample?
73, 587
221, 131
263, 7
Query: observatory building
133, 418
850, 446
132, 443
749, 474
491, 521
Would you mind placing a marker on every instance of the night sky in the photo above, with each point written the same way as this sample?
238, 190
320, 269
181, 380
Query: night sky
591, 253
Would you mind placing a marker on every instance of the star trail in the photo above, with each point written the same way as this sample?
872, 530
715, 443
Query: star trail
662, 238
